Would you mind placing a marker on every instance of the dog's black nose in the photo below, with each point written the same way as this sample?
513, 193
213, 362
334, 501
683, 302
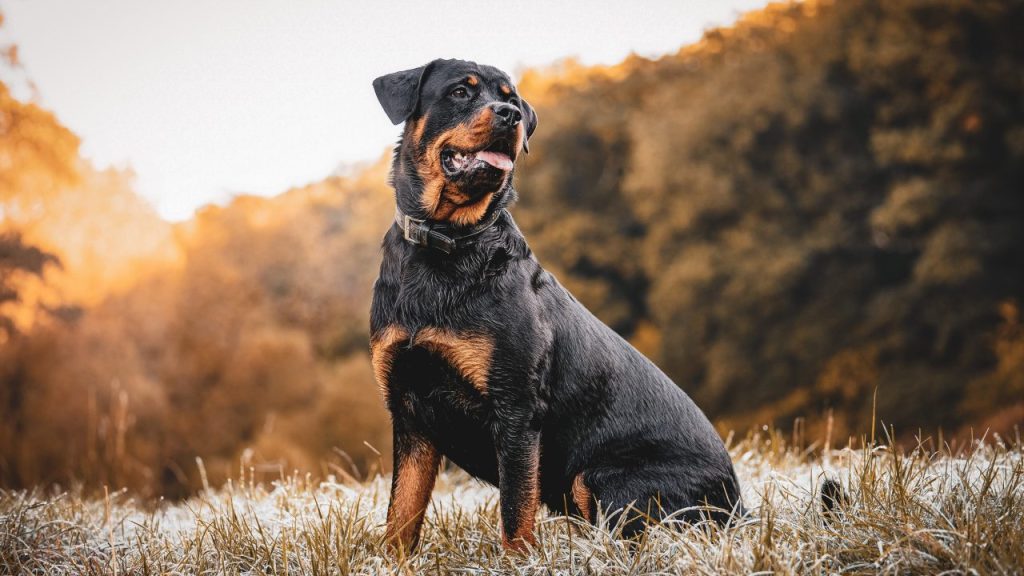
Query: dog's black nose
507, 114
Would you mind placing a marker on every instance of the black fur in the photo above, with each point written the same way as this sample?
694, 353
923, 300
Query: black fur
558, 378
833, 498
399, 92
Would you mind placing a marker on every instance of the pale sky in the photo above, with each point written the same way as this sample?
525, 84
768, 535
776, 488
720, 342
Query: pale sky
206, 99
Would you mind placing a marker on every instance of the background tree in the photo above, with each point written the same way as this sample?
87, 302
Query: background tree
822, 200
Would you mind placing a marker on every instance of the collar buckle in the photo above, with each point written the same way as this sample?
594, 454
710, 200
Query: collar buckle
412, 231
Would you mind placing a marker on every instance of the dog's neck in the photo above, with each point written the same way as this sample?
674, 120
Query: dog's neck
439, 235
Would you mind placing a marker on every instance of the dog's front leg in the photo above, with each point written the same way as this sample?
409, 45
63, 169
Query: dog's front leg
518, 483
416, 461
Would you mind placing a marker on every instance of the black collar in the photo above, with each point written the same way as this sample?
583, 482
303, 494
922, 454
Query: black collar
440, 235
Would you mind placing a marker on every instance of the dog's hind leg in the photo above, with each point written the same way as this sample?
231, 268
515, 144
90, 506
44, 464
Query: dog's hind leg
634, 497
618, 493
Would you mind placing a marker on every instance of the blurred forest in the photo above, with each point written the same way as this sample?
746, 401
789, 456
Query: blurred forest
823, 201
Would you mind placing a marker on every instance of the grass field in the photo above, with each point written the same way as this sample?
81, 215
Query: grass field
918, 512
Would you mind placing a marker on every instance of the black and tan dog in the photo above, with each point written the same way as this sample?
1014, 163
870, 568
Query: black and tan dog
484, 358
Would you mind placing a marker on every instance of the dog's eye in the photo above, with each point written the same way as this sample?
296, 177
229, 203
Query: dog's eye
460, 93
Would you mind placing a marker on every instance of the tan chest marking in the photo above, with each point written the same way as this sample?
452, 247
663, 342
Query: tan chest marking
470, 354
382, 353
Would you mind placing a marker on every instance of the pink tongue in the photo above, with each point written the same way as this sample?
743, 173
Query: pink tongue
496, 159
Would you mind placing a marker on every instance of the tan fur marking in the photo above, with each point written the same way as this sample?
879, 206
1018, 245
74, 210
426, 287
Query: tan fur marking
382, 353
471, 214
527, 508
470, 354
411, 494
441, 199
472, 80
416, 131
581, 496
505, 89
433, 189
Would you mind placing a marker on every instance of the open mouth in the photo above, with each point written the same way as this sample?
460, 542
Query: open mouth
497, 155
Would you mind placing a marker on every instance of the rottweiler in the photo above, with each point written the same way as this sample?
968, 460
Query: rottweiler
484, 358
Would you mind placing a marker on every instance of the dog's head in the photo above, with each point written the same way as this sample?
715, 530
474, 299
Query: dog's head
465, 125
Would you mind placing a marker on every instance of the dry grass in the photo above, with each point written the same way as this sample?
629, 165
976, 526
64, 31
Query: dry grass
918, 512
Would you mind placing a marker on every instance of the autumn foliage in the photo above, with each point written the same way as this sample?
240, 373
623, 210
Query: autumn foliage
817, 211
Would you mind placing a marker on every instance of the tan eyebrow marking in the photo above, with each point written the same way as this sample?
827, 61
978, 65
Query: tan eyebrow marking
472, 80
505, 89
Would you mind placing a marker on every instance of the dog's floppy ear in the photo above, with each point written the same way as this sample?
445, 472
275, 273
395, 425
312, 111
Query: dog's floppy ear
529, 122
399, 92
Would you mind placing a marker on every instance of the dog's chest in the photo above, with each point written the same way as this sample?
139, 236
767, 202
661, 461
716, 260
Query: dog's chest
467, 354
438, 379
